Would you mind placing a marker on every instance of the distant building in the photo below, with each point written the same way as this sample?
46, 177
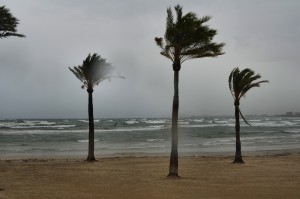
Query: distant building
289, 114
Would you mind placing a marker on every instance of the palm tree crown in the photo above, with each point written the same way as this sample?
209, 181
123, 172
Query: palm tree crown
93, 70
187, 38
240, 82
8, 24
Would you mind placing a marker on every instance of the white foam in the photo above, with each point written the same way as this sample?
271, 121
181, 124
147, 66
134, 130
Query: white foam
221, 122
254, 120
86, 141
197, 120
132, 122
55, 126
292, 131
206, 125
183, 123
155, 140
268, 124
86, 121
155, 121
149, 128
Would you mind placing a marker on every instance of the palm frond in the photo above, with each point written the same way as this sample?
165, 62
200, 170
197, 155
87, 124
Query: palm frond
159, 42
93, 70
230, 82
178, 10
250, 86
188, 37
8, 24
170, 20
243, 117
240, 82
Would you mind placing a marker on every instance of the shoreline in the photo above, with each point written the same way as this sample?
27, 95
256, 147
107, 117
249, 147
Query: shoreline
246, 154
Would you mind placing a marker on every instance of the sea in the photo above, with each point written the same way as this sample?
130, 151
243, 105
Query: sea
146, 136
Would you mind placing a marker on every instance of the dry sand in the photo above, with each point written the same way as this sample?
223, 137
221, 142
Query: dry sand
272, 176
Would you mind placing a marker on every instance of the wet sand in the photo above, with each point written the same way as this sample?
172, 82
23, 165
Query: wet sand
263, 176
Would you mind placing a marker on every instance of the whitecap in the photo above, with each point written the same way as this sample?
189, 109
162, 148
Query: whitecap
149, 128
55, 126
86, 141
155, 121
132, 122
221, 122
197, 120
155, 140
86, 121
183, 123
254, 120
268, 124
292, 131
288, 123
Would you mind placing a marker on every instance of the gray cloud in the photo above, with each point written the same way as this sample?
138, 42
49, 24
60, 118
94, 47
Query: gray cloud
35, 81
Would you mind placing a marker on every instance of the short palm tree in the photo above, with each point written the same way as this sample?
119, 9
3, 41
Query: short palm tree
8, 24
240, 82
93, 70
185, 38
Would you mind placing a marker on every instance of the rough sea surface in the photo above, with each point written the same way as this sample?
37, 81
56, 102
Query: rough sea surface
197, 135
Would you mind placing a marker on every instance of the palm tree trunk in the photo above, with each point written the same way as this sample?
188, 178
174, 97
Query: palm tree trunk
173, 169
238, 149
91, 156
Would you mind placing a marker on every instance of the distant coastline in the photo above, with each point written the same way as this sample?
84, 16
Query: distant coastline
289, 114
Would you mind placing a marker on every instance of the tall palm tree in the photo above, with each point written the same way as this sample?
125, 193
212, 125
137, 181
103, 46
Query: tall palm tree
240, 82
184, 39
93, 70
8, 24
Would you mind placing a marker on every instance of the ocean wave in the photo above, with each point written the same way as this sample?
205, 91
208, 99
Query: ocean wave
254, 120
292, 131
132, 122
221, 122
206, 125
183, 122
288, 123
56, 130
148, 128
155, 121
25, 123
268, 124
36, 122
36, 127
224, 141
155, 140
86, 121
86, 141
146, 147
198, 120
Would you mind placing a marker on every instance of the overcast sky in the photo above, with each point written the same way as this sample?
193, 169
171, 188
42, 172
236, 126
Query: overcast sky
35, 81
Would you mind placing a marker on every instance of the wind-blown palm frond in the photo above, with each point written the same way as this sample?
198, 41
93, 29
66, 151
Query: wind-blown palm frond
8, 24
93, 70
188, 37
240, 82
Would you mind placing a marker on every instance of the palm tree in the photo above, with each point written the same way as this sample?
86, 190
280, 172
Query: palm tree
93, 70
184, 39
8, 24
240, 82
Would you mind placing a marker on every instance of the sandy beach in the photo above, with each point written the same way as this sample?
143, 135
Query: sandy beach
263, 176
